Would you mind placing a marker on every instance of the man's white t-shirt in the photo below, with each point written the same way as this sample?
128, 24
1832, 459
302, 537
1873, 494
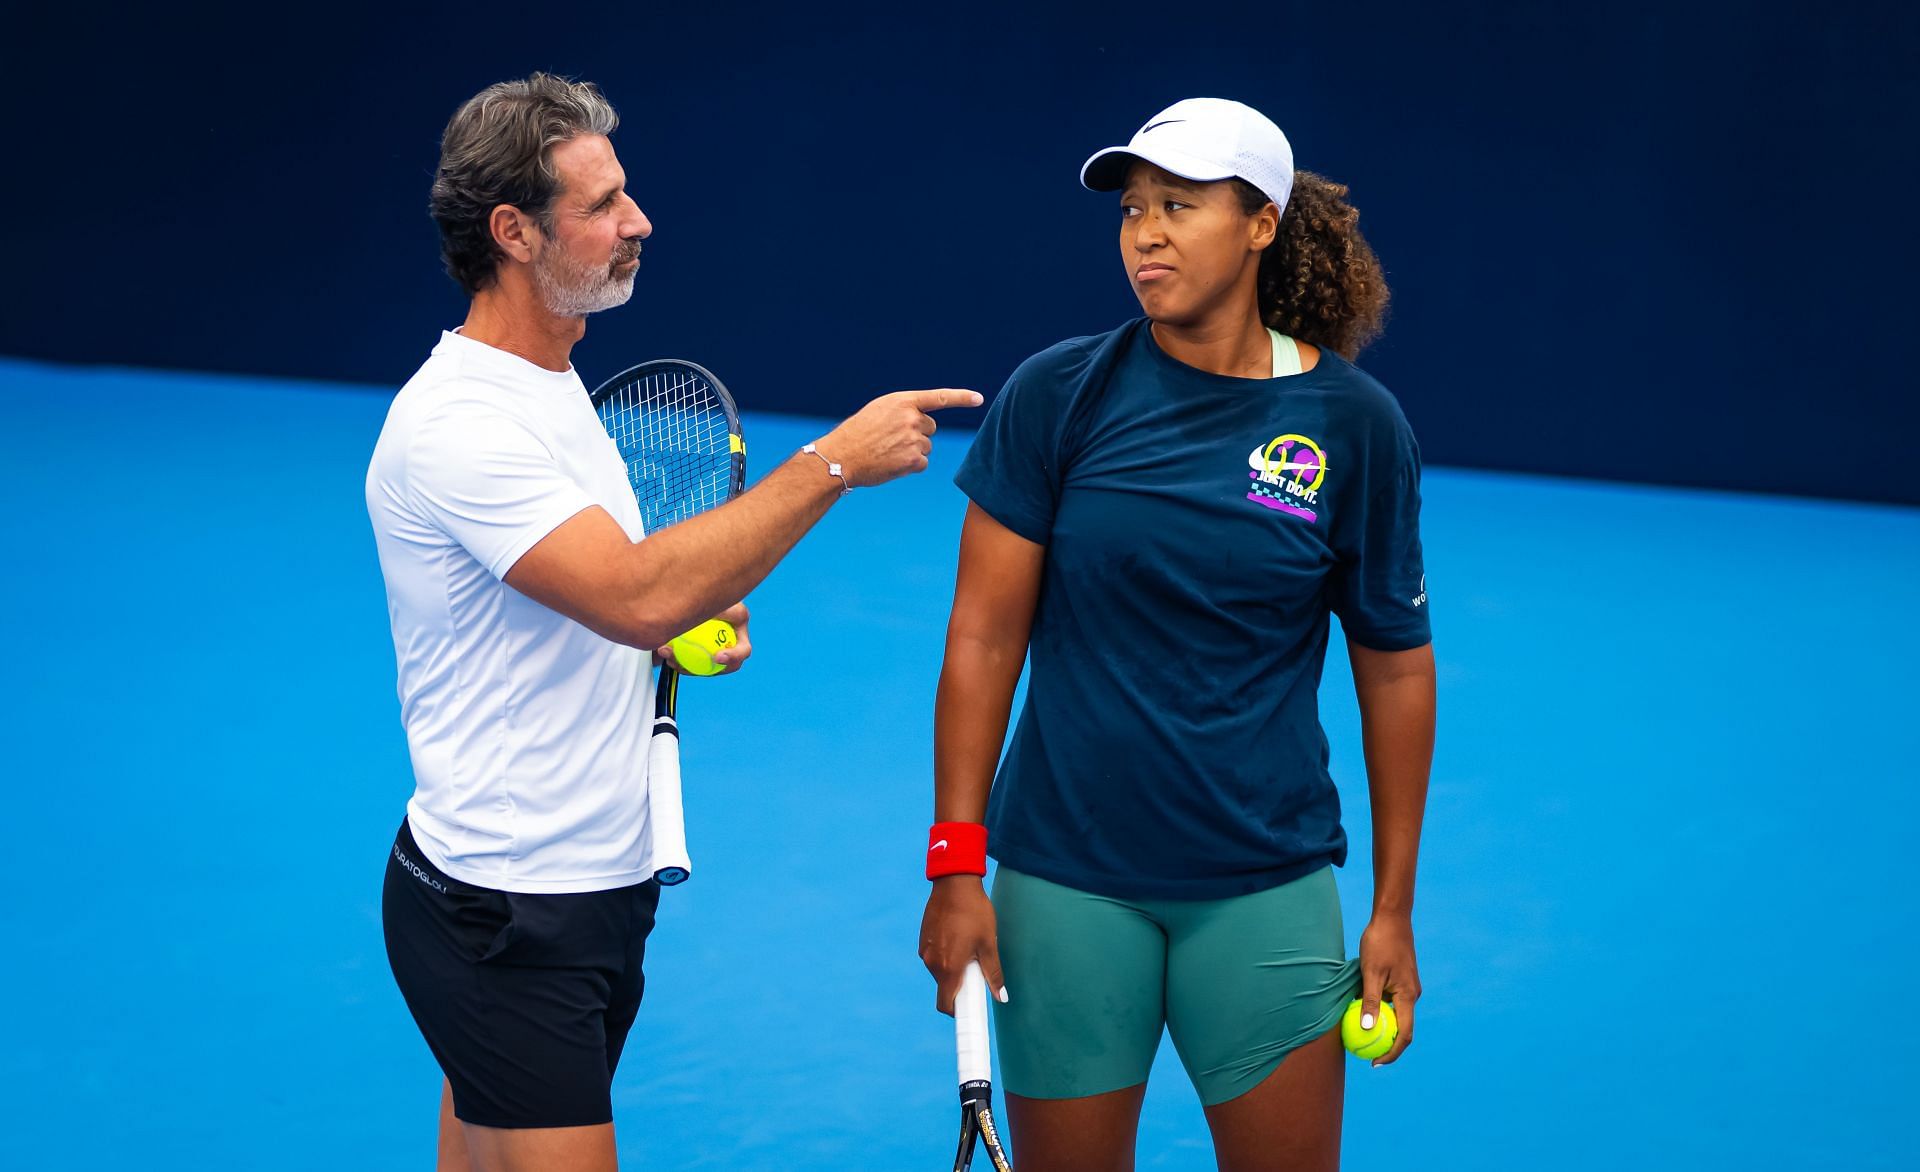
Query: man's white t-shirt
528, 731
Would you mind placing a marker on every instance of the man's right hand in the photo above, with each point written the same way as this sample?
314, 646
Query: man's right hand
958, 927
890, 437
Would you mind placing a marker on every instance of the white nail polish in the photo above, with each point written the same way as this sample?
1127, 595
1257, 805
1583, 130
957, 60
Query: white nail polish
1003, 994
1366, 1021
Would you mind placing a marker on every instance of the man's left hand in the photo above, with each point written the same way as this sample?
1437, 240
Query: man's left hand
733, 657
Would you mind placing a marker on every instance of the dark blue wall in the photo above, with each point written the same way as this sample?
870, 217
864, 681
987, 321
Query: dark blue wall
1666, 243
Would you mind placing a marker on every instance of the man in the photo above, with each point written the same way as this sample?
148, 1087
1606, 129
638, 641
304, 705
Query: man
526, 604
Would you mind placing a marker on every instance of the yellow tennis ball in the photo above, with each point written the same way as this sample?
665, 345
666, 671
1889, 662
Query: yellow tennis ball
1369, 1043
694, 651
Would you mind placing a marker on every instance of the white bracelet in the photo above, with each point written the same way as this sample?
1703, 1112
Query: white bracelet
832, 468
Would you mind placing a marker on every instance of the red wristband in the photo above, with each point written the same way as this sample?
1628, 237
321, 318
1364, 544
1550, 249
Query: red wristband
956, 848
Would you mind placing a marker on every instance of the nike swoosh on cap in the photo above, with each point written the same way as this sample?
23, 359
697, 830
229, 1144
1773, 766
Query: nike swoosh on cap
1162, 122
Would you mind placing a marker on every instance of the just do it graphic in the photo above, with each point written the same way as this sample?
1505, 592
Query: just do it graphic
1287, 474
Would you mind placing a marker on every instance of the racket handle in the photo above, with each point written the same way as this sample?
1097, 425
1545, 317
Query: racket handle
970, 1026
666, 817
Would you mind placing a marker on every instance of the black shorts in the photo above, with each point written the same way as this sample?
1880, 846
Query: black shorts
525, 1000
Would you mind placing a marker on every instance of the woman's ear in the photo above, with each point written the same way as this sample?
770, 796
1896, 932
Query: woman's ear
1265, 228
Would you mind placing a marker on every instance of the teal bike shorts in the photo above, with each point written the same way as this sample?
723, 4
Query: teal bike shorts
1092, 982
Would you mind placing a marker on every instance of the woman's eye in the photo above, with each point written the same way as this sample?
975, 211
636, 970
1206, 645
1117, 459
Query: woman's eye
1174, 204
1128, 211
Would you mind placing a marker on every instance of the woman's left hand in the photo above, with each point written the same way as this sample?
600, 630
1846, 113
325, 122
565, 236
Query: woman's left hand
1388, 972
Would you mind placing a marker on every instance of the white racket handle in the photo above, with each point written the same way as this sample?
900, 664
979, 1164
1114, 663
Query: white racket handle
666, 817
970, 1026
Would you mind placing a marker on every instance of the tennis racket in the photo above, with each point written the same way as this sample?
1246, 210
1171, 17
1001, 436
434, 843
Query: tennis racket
679, 433
976, 1073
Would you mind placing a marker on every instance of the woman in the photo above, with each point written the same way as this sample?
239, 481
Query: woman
1164, 517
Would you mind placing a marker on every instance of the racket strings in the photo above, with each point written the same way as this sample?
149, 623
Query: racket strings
672, 431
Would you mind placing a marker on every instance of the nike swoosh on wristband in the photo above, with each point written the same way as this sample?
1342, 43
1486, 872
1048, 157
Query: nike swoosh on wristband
938, 846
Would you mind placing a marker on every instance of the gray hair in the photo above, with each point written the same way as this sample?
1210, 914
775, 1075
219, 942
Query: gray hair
498, 149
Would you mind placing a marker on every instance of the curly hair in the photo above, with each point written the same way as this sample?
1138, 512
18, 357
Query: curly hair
498, 149
1319, 280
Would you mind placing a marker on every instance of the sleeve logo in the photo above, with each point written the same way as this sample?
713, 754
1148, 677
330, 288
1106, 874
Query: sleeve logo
1287, 475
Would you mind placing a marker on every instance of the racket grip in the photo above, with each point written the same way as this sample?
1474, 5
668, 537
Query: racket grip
666, 816
970, 1027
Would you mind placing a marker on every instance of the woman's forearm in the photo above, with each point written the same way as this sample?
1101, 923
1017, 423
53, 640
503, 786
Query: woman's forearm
975, 700
994, 596
1396, 694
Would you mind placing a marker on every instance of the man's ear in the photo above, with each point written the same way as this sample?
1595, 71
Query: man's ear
514, 232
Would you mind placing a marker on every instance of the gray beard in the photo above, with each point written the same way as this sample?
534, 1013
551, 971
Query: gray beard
571, 289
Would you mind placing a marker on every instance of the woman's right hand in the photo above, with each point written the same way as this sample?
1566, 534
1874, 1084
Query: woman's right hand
959, 927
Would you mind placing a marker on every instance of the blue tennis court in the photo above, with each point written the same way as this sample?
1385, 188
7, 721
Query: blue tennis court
1660, 917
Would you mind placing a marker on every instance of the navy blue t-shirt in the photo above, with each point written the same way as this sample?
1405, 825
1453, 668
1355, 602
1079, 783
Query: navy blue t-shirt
1199, 529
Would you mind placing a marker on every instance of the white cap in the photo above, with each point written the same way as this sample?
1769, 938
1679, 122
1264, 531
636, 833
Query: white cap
1203, 139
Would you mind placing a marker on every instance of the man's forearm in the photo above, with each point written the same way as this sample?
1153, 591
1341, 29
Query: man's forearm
693, 570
